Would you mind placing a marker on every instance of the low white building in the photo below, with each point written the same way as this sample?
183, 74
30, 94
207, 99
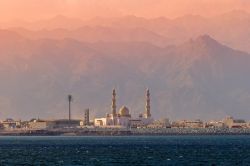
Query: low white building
103, 122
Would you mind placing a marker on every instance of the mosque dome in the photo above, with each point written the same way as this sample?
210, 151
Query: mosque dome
124, 111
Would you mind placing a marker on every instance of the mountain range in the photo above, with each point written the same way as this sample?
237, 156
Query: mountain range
231, 28
198, 78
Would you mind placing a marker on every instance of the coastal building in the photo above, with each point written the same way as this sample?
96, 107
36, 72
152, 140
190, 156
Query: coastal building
215, 124
162, 123
188, 124
38, 124
230, 122
114, 119
65, 123
123, 117
136, 123
10, 124
101, 122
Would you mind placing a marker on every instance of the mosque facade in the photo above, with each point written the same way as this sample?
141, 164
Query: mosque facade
123, 118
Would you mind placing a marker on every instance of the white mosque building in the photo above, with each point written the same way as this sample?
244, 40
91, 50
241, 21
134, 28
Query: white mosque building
123, 117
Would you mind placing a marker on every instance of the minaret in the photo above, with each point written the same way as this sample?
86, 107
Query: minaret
113, 106
147, 107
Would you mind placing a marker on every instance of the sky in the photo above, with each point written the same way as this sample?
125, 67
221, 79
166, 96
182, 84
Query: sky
30, 10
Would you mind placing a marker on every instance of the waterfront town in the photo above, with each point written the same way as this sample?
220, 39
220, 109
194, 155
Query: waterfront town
122, 123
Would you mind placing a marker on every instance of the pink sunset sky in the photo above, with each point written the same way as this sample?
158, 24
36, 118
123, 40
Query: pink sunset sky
41, 9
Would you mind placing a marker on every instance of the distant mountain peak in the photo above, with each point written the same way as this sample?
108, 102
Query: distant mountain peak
206, 38
204, 45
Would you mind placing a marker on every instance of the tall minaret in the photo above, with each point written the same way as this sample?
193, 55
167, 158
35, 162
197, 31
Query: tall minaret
147, 107
113, 106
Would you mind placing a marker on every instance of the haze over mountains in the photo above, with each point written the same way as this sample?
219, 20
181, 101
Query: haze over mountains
188, 78
231, 28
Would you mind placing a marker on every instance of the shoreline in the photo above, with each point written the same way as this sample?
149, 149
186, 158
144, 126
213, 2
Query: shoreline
127, 132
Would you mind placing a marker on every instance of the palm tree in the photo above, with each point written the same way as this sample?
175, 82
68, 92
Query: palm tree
70, 99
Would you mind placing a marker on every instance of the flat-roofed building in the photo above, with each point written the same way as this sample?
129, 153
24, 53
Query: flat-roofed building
10, 124
162, 123
188, 124
41, 124
65, 123
102, 122
230, 122
215, 124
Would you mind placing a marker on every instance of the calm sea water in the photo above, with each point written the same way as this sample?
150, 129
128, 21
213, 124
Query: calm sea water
149, 150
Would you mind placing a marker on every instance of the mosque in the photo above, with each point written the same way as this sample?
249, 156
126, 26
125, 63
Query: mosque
123, 117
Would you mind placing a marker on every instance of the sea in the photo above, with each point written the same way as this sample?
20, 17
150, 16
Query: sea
125, 150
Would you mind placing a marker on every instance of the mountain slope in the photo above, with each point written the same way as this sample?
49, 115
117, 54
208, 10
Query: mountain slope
198, 79
96, 34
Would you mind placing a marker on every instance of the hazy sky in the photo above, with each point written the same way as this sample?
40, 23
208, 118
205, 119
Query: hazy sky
38, 9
